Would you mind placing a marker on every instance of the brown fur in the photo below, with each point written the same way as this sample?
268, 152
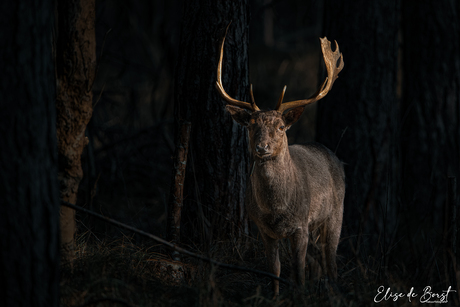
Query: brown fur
292, 191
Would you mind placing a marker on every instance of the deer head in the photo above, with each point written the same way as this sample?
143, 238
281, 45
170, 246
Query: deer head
267, 129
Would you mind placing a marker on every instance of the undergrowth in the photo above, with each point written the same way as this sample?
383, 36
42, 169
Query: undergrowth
121, 273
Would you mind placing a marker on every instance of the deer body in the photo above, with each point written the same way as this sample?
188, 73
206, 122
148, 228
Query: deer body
295, 189
292, 190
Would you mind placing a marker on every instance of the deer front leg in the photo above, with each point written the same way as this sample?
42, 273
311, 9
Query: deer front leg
273, 259
299, 242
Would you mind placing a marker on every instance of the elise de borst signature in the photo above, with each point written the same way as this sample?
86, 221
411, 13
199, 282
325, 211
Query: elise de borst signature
427, 296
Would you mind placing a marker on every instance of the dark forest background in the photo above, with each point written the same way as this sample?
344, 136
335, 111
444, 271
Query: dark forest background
147, 67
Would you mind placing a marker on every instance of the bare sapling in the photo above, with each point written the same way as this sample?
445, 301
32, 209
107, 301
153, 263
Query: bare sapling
292, 190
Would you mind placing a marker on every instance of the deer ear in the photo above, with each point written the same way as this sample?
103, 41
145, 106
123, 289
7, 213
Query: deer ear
292, 116
241, 116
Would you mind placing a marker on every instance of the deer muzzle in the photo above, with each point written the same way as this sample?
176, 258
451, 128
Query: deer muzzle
263, 150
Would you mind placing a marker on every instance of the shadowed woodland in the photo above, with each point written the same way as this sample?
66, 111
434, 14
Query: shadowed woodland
111, 106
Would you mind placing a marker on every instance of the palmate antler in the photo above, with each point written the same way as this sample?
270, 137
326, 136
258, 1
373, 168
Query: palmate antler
334, 64
331, 60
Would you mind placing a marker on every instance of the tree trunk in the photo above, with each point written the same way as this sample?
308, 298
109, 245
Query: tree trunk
431, 105
29, 203
217, 164
177, 185
358, 119
75, 67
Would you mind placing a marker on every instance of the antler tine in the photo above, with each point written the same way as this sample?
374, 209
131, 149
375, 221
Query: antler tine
245, 105
280, 100
331, 59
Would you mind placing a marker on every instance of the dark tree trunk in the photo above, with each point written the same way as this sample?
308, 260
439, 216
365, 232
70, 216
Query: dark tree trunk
359, 116
177, 184
217, 163
75, 67
431, 105
29, 203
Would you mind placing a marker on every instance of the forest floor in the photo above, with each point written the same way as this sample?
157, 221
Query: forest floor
121, 273
115, 268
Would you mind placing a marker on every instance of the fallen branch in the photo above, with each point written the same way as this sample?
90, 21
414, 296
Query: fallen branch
171, 245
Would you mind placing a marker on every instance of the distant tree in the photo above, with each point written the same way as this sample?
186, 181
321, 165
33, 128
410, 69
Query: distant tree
430, 105
217, 165
358, 119
29, 203
75, 69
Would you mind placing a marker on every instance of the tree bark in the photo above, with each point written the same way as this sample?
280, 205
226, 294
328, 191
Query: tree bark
358, 119
177, 185
217, 165
29, 203
75, 68
431, 105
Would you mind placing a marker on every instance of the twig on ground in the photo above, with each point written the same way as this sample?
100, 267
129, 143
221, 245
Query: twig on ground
171, 245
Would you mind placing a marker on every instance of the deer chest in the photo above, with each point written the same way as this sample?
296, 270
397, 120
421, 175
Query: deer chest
278, 225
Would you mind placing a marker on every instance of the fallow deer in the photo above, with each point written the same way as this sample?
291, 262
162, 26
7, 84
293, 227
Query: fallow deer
295, 189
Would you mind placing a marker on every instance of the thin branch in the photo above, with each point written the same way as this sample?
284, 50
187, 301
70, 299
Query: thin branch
107, 299
100, 95
97, 64
171, 245
340, 140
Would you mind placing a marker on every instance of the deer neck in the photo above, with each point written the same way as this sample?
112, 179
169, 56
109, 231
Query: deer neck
273, 180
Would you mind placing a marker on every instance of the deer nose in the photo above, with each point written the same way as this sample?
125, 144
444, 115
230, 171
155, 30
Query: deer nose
262, 149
